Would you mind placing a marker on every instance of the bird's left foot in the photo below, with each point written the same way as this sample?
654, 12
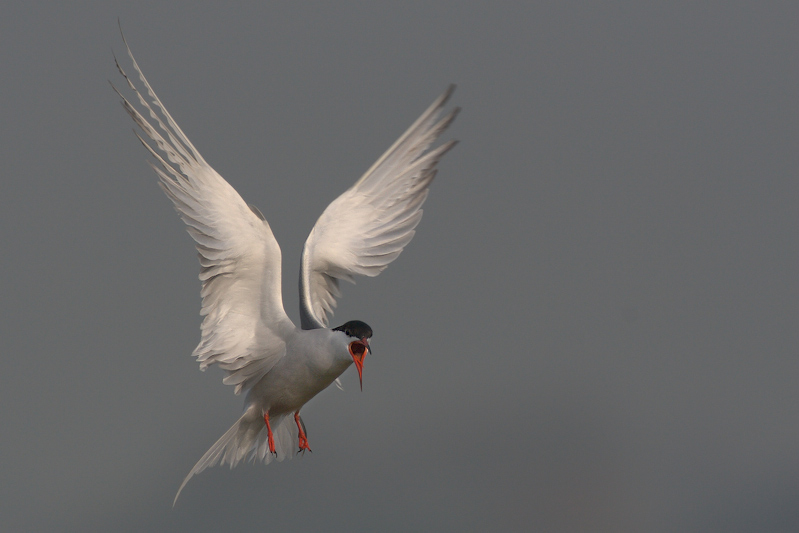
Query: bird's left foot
303, 438
304, 443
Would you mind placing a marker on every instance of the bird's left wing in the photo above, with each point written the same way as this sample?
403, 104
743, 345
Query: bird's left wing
245, 325
367, 227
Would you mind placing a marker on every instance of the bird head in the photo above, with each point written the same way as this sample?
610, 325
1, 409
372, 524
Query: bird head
359, 334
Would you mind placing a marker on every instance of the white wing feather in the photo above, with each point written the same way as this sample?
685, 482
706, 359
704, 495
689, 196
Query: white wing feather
367, 227
245, 324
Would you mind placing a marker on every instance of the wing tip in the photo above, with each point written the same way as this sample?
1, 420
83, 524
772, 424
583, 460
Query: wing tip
448, 93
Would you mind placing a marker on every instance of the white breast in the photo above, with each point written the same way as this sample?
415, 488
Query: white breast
313, 360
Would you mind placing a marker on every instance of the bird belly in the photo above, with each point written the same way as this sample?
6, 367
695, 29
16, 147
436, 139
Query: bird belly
291, 383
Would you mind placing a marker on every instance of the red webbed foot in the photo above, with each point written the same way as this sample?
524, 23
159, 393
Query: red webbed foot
303, 438
270, 437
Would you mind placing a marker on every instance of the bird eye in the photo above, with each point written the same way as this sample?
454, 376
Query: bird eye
357, 348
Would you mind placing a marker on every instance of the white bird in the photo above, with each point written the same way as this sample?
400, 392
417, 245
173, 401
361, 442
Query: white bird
246, 330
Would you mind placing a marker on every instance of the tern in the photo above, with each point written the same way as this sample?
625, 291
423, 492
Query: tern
245, 329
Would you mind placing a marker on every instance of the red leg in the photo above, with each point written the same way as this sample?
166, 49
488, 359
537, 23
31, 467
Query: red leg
303, 438
270, 438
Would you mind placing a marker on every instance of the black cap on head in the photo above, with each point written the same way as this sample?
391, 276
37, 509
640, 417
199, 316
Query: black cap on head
356, 328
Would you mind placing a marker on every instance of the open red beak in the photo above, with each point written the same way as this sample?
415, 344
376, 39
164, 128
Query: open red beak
358, 351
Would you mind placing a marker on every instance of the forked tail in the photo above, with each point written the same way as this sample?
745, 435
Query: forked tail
248, 437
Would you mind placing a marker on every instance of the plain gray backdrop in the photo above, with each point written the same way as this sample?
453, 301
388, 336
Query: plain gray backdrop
594, 329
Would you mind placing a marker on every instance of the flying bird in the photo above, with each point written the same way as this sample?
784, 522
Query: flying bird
245, 329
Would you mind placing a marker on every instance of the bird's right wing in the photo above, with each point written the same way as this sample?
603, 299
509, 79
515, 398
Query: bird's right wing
245, 325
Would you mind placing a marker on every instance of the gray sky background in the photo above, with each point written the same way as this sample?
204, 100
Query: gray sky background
595, 327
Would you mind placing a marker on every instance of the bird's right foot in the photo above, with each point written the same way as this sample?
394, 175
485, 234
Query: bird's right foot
269, 439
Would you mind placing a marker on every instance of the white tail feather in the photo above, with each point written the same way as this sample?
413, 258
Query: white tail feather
248, 437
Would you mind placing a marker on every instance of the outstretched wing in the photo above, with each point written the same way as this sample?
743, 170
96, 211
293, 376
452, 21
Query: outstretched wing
245, 324
367, 227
